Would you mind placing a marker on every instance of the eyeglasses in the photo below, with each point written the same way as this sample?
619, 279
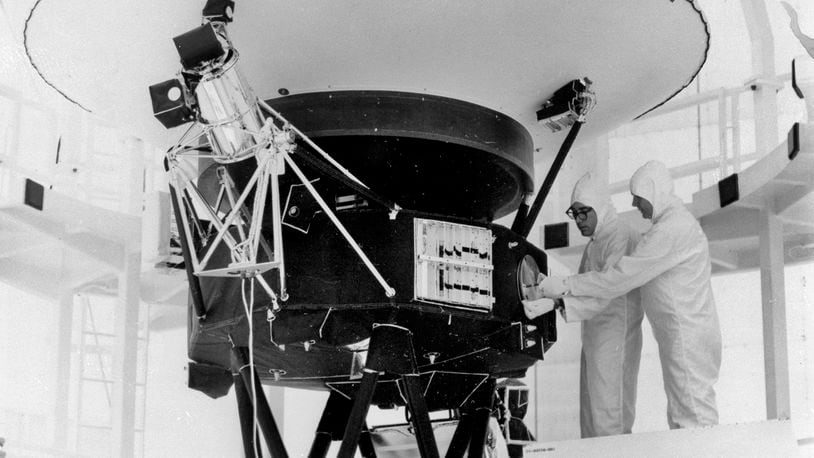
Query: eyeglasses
579, 215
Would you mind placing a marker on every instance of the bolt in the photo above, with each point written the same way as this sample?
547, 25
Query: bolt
277, 373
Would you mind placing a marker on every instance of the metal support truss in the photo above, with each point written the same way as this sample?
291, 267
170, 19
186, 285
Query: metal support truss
240, 230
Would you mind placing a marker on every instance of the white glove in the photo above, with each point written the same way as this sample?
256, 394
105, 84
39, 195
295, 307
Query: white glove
553, 287
537, 307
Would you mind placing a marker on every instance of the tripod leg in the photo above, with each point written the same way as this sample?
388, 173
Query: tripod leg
331, 424
460, 439
420, 416
358, 414
244, 409
480, 427
482, 400
264, 416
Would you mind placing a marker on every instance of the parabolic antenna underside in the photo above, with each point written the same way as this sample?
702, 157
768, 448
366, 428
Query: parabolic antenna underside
505, 56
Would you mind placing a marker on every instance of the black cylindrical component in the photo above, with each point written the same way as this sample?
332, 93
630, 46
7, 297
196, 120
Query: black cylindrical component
425, 152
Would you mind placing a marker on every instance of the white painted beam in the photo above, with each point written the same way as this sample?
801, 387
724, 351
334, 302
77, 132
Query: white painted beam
772, 287
64, 360
763, 67
125, 356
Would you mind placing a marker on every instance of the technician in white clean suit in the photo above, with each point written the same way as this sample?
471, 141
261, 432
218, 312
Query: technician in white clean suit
611, 329
673, 260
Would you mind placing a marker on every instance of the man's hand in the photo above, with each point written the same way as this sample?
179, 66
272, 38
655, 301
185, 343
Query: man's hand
537, 307
552, 287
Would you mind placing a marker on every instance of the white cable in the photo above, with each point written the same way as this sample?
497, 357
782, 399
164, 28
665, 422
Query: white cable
248, 306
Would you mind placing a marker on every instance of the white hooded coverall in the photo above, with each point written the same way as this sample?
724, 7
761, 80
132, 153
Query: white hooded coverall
611, 329
673, 259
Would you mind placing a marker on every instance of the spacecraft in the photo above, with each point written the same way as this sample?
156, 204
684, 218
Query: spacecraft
345, 240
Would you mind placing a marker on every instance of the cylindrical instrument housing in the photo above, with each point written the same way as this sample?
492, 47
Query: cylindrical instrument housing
228, 107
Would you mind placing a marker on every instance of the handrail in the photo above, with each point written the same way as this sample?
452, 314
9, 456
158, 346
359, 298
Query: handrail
723, 161
681, 103
36, 148
681, 171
